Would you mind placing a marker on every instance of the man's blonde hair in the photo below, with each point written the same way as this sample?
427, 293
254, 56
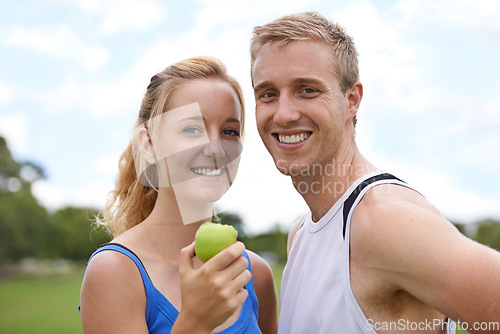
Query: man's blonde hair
311, 26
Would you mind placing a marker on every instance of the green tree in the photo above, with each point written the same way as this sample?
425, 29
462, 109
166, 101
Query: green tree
74, 235
23, 227
23, 221
488, 233
273, 242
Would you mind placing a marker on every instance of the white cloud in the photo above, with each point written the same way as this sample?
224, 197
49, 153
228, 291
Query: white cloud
7, 94
49, 195
92, 195
106, 165
14, 128
107, 98
54, 196
481, 14
123, 15
64, 98
61, 41
388, 60
440, 186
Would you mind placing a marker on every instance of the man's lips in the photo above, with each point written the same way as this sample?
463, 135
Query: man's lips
292, 139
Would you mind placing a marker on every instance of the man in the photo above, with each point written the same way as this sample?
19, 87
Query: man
372, 255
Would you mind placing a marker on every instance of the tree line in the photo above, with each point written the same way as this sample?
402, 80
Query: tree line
28, 229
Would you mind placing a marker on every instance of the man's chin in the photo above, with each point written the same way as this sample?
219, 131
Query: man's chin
290, 168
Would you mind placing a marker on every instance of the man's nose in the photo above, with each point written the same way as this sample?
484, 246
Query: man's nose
287, 111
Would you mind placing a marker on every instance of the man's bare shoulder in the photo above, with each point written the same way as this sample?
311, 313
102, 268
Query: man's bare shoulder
403, 243
391, 222
389, 204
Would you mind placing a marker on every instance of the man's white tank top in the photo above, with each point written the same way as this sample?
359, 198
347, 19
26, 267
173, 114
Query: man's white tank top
316, 295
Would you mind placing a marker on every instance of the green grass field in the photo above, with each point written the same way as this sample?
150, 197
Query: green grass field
41, 305
47, 304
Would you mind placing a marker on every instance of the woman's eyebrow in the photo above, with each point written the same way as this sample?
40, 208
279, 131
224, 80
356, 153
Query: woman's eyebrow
192, 118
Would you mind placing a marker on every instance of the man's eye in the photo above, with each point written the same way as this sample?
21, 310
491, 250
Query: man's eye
231, 132
308, 92
269, 95
192, 130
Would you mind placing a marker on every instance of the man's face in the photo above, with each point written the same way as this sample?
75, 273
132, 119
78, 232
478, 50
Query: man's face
300, 109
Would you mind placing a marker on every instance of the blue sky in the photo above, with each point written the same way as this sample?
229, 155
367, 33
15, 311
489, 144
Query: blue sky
72, 75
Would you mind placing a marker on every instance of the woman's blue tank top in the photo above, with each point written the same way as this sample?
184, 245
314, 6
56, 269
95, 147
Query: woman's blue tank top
161, 314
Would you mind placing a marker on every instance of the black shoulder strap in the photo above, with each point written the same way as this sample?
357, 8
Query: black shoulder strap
348, 203
131, 253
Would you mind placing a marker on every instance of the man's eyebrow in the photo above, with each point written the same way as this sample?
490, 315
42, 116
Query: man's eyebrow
299, 80
262, 85
308, 80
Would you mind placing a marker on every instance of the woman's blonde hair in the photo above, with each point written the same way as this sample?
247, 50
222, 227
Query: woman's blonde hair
311, 26
132, 200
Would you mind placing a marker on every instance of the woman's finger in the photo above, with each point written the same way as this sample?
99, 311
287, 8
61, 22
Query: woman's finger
226, 256
187, 255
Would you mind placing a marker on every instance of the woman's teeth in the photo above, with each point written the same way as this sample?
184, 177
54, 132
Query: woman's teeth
293, 139
207, 171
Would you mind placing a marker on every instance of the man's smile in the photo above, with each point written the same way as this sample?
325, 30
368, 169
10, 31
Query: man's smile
292, 139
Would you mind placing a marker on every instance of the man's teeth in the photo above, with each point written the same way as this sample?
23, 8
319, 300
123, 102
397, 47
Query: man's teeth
293, 139
207, 171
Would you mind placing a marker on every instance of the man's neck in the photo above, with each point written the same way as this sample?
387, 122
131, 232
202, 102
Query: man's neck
327, 183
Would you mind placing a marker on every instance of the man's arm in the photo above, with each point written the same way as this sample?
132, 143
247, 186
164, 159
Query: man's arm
409, 245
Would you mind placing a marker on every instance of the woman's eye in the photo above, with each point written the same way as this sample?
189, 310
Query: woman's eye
231, 132
192, 130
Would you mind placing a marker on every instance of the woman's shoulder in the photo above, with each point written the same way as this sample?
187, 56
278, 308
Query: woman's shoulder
261, 273
112, 290
265, 291
257, 262
107, 269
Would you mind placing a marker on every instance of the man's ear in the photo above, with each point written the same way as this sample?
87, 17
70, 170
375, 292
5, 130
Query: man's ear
146, 145
354, 96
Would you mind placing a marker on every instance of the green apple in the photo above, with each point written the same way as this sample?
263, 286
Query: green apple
211, 238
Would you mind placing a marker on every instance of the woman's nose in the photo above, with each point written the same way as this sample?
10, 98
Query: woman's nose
214, 149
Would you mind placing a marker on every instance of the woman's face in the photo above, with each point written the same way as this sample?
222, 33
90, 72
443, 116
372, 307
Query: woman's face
199, 138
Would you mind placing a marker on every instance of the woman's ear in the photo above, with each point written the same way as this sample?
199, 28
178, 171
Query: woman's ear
146, 145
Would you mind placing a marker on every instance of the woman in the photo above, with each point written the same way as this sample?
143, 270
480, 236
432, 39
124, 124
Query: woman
182, 158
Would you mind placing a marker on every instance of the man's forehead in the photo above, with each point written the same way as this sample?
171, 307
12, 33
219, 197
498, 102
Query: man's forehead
303, 53
277, 68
